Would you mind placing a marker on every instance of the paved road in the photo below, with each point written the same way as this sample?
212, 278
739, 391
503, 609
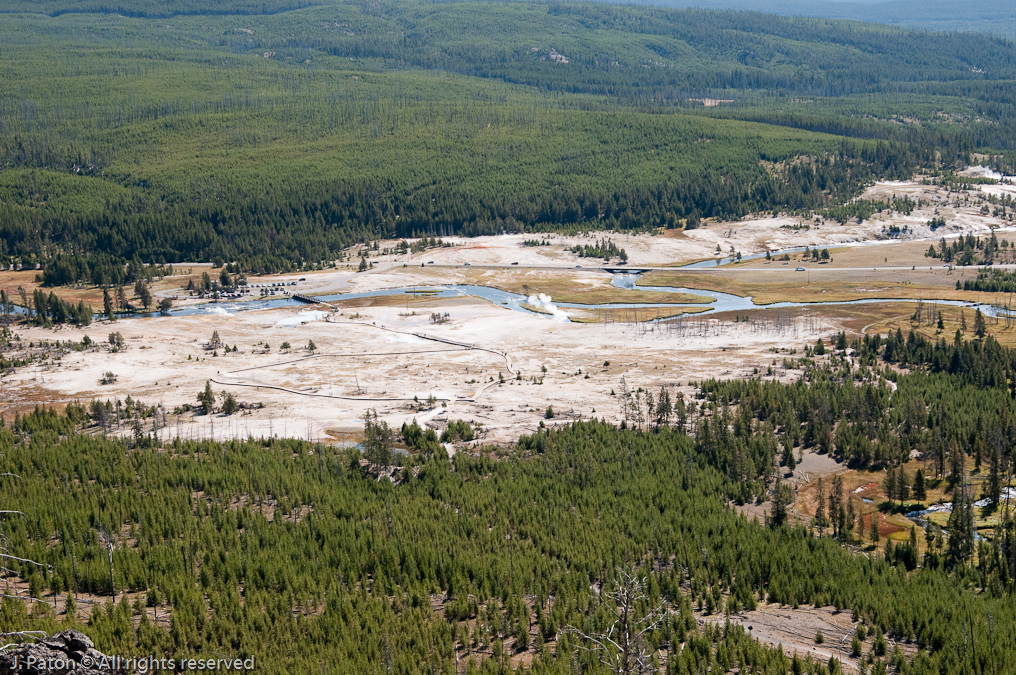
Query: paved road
696, 270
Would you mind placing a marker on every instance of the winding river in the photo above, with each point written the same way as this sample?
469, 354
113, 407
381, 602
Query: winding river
721, 302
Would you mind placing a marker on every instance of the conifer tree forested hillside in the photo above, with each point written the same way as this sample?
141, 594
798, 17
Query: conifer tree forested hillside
300, 555
989, 16
275, 133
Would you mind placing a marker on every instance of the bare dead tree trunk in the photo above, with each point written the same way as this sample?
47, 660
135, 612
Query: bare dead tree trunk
622, 648
107, 541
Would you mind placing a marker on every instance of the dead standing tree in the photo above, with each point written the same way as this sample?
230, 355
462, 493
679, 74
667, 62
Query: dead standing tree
623, 648
107, 541
378, 440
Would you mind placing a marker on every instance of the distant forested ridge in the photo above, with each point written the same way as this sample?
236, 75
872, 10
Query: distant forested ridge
986, 16
156, 9
275, 134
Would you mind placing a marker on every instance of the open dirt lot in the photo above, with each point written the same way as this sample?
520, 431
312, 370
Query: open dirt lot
369, 357
795, 630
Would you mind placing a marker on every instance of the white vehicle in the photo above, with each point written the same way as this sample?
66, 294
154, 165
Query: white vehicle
800, 269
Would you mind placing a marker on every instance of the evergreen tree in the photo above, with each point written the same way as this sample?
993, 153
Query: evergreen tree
207, 398
782, 496
961, 532
980, 326
920, 491
890, 484
788, 459
229, 404
837, 513
820, 515
902, 485
850, 518
994, 485
378, 440
107, 305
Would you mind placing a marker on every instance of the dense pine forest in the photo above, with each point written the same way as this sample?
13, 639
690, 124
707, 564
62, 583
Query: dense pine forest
989, 16
273, 134
300, 554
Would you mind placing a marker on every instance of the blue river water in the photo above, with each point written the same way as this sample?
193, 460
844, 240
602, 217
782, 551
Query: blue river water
718, 302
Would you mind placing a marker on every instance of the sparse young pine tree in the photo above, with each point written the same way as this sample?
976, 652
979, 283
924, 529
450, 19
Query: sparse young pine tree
820, 515
107, 305
920, 491
229, 404
850, 518
788, 455
957, 461
994, 485
960, 546
902, 485
145, 295
378, 439
207, 398
980, 325
889, 484
664, 408
837, 513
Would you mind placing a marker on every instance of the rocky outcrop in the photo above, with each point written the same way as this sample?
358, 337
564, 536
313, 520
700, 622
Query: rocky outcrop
67, 652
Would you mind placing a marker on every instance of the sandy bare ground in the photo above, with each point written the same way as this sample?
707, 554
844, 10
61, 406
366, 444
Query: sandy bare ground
795, 631
360, 365
810, 467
